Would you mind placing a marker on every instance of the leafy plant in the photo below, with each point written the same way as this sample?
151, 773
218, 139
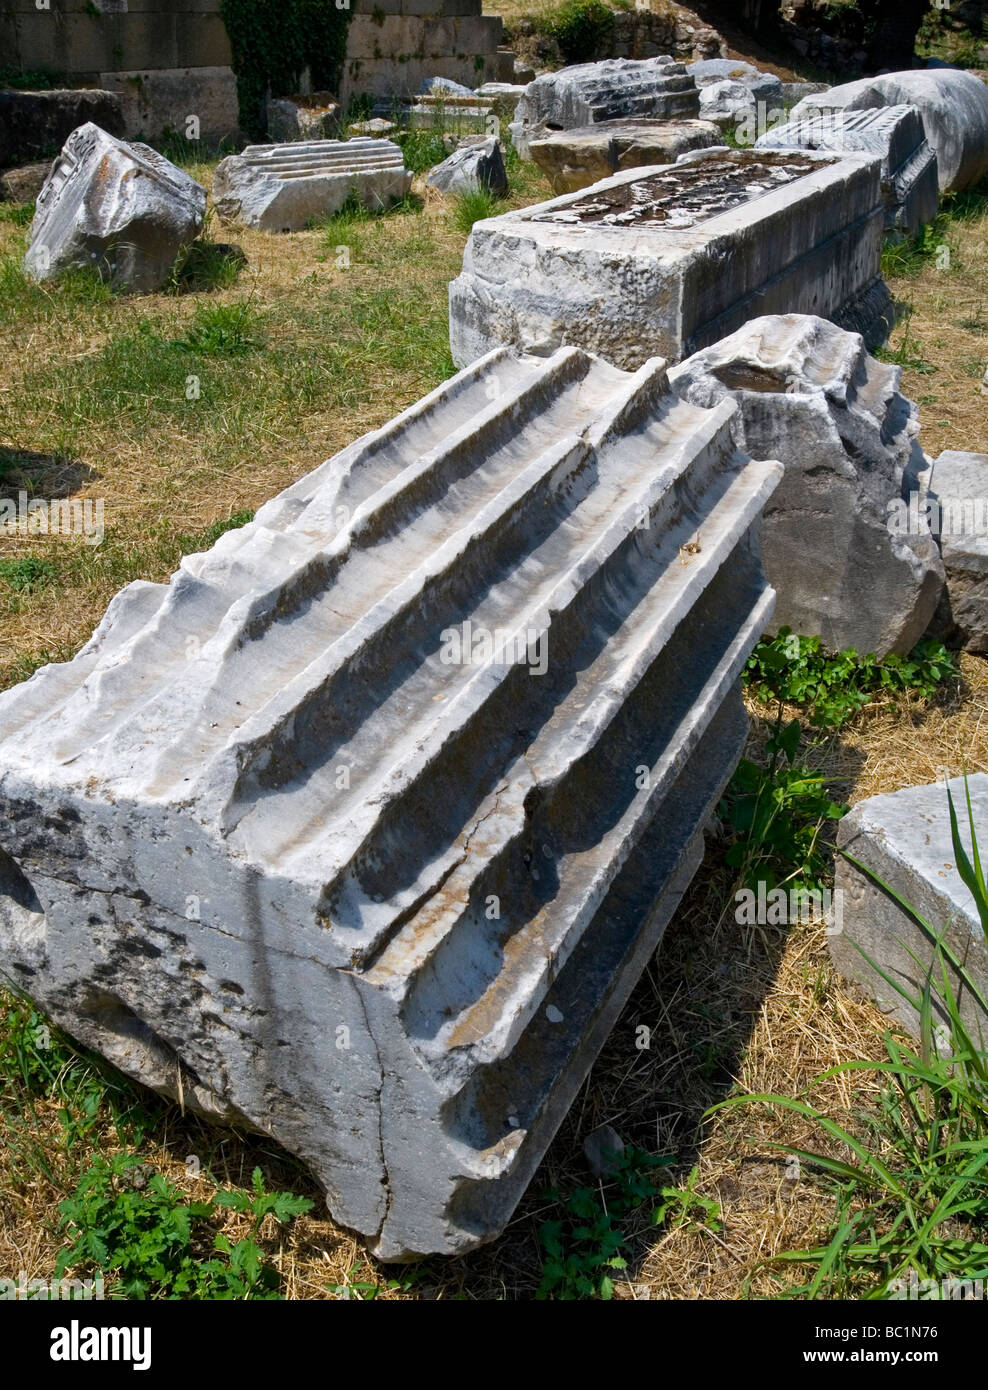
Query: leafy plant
683, 1206
581, 28
832, 689
911, 1198
586, 1246
777, 813
142, 1231
366, 1290
28, 573
274, 41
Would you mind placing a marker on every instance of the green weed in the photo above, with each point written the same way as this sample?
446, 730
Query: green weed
141, 1232
906, 257
832, 689
777, 814
472, 207
588, 1244
27, 574
683, 1206
204, 266
223, 330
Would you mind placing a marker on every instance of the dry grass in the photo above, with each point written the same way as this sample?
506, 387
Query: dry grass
727, 1005
948, 331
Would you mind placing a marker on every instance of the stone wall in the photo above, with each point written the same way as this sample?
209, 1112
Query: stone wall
169, 59
165, 60
393, 45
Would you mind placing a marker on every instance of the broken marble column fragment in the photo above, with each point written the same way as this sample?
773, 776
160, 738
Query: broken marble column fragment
851, 561
952, 104
361, 830
663, 261
282, 188
958, 510
119, 208
904, 838
895, 134
616, 89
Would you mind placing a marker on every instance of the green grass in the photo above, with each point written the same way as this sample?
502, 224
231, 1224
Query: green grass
39, 1064
20, 214
204, 266
26, 574
472, 207
223, 330
75, 292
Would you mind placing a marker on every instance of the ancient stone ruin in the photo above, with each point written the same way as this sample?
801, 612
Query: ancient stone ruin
281, 188
732, 91
361, 829
121, 209
904, 837
846, 563
574, 159
477, 163
33, 124
895, 134
619, 89
953, 106
395, 45
163, 61
665, 261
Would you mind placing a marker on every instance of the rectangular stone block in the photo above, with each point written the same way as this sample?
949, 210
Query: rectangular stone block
389, 80
666, 260
201, 41
39, 123
904, 837
152, 101
404, 36
361, 830
575, 159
